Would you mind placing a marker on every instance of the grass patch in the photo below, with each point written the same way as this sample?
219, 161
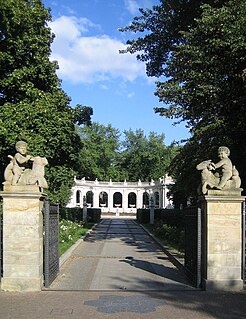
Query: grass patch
70, 232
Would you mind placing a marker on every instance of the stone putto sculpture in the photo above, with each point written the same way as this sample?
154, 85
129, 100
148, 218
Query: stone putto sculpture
25, 169
225, 176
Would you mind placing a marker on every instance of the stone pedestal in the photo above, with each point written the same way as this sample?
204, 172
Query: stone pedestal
222, 240
22, 238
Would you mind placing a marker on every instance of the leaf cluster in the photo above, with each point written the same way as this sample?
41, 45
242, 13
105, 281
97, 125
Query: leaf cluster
33, 107
198, 50
99, 156
105, 155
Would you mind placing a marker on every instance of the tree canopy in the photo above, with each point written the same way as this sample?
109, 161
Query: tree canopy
107, 155
99, 156
33, 107
198, 51
145, 157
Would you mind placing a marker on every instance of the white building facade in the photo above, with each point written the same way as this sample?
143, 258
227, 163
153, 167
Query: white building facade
120, 197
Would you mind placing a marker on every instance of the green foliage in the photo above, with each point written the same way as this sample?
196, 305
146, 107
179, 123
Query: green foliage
33, 107
169, 225
145, 158
25, 49
99, 155
171, 235
69, 233
198, 48
161, 28
60, 186
105, 156
76, 214
67, 230
171, 217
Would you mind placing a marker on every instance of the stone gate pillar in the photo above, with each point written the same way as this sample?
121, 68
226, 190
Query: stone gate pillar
222, 240
22, 238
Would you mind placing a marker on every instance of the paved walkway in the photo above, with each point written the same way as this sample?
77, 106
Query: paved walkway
119, 255
119, 272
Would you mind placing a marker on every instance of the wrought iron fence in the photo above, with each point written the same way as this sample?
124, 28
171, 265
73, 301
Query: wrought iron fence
193, 245
1, 240
51, 242
243, 243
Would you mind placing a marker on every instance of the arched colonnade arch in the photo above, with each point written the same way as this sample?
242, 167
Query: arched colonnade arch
120, 197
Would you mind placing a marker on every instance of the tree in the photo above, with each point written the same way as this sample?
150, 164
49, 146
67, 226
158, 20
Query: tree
145, 158
106, 156
33, 107
100, 153
199, 47
162, 28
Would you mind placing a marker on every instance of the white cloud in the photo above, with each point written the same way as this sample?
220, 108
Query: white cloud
104, 87
132, 6
88, 59
130, 95
68, 9
70, 27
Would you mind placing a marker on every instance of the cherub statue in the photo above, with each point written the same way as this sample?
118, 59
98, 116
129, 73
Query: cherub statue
225, 164
24, 169
226, 178
19, 163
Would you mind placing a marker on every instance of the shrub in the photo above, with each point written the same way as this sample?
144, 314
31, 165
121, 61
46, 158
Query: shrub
68, 230
75, 214
171, 217
169, 225
69, 233
174, 236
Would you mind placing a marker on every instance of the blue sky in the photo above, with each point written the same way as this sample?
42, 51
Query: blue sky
92, 71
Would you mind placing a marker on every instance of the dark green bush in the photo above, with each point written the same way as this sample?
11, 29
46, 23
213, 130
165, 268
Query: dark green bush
143, 216
171, 217
174, 236
75, 214
169, 225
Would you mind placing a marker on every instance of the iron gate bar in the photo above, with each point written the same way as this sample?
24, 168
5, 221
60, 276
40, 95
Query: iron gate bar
193, 245
243, 243
1, 240
51, 242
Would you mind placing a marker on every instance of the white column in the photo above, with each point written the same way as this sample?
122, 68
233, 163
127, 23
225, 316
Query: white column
96, 198
125, 200
163, 195
110, 200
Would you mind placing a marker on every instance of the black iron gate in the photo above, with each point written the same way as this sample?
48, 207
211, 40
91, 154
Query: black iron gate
51, 242
243, 243
1, 240
193, 245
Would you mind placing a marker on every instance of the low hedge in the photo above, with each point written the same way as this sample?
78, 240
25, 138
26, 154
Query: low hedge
169, 225
170, 217
75, 214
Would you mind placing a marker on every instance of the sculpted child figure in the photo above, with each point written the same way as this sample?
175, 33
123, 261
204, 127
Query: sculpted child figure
25, 169
225, 164
20, 161
227, 176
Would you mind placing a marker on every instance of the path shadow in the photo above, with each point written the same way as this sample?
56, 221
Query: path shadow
156, 269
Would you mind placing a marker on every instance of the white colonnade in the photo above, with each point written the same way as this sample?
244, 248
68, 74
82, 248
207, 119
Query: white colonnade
120, 197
